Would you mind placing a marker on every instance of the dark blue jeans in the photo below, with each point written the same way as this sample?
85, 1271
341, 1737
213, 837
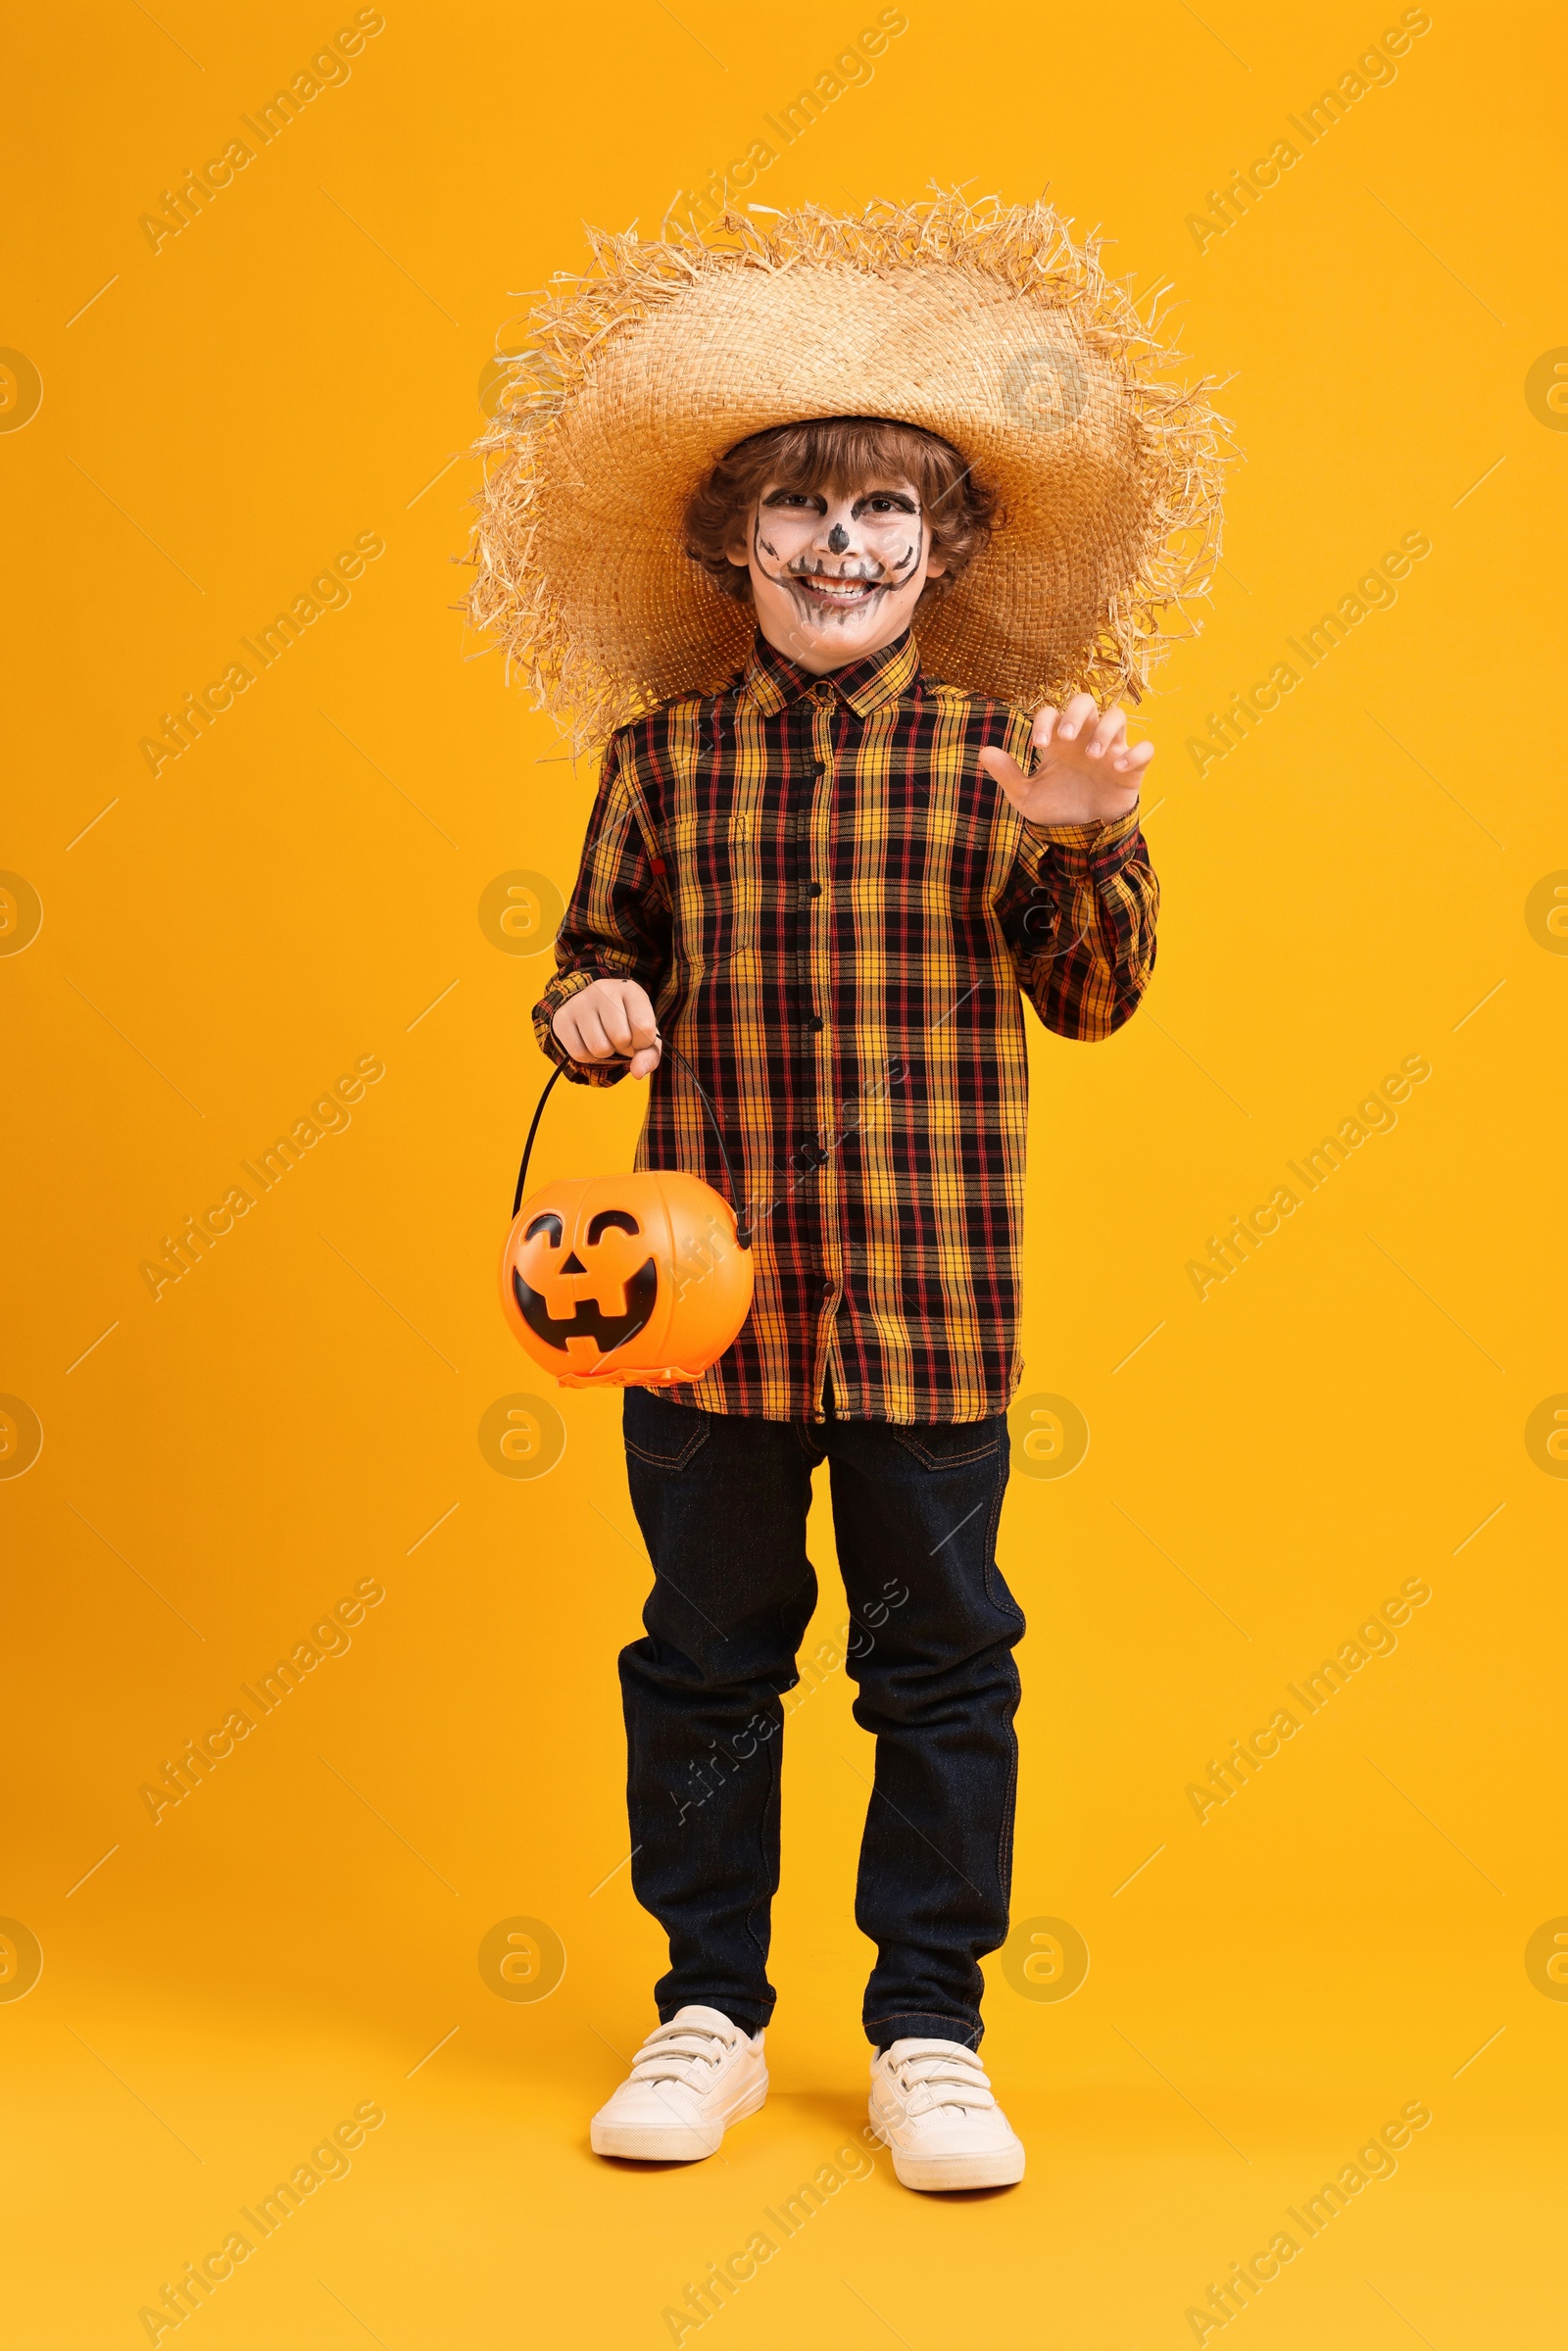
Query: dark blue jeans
721, 1499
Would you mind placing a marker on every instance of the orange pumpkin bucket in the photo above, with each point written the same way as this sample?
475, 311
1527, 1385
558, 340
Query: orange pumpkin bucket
627, 1281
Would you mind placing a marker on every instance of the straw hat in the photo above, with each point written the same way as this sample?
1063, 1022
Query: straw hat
985, 324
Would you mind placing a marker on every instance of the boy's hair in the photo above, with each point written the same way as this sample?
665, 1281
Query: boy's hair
835, 453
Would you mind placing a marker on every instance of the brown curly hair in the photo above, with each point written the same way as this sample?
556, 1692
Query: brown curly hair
839, 453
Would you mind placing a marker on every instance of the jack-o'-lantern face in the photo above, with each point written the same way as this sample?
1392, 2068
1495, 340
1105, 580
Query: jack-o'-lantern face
565, 1299
630, 1280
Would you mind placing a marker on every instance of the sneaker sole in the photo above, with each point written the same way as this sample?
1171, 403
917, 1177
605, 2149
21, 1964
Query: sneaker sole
657, 2143
934, 2173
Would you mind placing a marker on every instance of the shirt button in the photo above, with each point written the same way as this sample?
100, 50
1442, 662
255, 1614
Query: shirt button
829, 1289
813, 889
812, 1026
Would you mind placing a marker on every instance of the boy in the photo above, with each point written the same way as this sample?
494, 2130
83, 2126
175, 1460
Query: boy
830, 882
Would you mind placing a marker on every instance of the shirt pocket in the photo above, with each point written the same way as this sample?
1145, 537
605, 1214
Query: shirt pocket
717, 890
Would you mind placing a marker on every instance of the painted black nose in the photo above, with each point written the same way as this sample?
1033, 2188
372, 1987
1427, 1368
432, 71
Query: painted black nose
838, 538
573, 1265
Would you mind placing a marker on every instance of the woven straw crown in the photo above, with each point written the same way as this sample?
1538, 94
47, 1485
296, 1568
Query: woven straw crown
985, 324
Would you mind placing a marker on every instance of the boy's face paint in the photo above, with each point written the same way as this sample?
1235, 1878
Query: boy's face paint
836, 576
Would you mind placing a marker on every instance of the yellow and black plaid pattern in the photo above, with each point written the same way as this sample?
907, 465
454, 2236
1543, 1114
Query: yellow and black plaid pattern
834, 910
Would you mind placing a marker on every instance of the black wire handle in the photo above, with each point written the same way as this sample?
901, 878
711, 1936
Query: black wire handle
742, 1230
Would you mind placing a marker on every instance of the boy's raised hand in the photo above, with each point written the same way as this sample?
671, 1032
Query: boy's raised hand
606, 1020
1085, 771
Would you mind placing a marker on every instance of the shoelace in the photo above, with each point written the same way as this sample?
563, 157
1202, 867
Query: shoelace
673, 2052
950, 2077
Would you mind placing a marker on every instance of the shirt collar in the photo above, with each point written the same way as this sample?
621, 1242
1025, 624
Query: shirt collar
773, 682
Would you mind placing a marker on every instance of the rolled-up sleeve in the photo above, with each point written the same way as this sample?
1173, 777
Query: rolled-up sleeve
616, 925
1079, 912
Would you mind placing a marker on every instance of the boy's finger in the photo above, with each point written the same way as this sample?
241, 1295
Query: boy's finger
1106, 735
592, 1043
1132, 760
1075, 717
639, 1012
616, 1026
1045, 726
1005, 768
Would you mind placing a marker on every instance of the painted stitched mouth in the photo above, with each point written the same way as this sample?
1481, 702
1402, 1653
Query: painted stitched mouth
588, 1319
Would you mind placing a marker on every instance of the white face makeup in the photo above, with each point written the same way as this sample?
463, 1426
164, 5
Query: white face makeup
836, 576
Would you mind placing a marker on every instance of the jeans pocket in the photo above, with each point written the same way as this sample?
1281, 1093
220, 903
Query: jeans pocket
663, 1435
951, 1443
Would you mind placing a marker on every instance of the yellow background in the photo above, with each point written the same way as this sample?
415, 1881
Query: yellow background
297, 367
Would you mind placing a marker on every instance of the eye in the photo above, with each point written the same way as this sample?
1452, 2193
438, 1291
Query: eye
548, 1223
612, 1220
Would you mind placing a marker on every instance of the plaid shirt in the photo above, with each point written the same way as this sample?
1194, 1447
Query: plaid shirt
834, 910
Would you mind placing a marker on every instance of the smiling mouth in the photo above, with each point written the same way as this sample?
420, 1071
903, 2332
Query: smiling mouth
588, 1319
842, 594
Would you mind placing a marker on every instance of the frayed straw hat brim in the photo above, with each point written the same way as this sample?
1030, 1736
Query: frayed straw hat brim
984, 325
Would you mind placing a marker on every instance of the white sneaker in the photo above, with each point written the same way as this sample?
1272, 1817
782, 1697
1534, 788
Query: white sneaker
931, 2103
690, 2080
